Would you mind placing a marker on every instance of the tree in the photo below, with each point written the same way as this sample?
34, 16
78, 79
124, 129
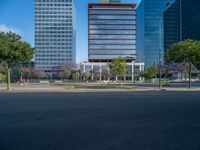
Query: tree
66, 70
150, 73
13, 51
118, 67
38, 73
186, 52
2, 73
85, 76
76, 72
166, 72
95, 73
106, 73
180, 68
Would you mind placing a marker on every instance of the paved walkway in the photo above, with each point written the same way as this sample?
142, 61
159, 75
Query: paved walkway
49, 88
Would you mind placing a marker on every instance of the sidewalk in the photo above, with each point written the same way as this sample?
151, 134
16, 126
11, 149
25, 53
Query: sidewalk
61, 89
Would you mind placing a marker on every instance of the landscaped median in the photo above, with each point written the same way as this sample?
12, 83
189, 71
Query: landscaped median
87, 87
71, 87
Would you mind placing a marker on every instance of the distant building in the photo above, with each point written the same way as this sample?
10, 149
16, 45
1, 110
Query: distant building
54, 33
149, 27
181, 21
133, 74
112, 31
111, 34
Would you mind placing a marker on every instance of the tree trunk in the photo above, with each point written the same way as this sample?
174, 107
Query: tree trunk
190, 67
8, 78
181, 77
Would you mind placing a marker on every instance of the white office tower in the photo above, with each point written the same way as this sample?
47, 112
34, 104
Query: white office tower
55, 33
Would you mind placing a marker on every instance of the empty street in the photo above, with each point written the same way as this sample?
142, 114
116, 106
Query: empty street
151, 120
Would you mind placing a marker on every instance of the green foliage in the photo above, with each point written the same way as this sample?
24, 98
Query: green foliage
185, 52
13, 51
2, 73
119, 67
85, 76
150, 73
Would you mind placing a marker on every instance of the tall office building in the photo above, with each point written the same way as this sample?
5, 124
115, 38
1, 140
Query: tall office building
54, 33
172, 22
181, 21
112, 31
150, 39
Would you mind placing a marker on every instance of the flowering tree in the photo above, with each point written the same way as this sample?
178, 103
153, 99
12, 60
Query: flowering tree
65, 70
38, 73
106, 74
95, 73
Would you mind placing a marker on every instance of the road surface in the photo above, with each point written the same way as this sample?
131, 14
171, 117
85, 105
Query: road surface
100, 121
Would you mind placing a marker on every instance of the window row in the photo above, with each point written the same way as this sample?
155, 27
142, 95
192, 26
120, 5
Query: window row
53, 1
112, 21
53, 28
53, 40
112, 12
112, 52
53, 12
112, 27
111, 17
57, 44
112, 32
112, 41
62, 9
55, 32
52, 20
112, 47
69, 22
52, 55
52, 16
55, 52
112, 36
110, 56
50, 63
54, 4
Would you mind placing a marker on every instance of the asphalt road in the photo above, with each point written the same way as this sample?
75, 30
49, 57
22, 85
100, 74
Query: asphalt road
100, 121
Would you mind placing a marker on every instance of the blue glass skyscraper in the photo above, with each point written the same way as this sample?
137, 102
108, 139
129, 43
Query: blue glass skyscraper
181, 21
150, 37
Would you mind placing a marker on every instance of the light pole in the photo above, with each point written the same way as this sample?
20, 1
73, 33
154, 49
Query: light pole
181, 21
29, 70
51, 69
166, 6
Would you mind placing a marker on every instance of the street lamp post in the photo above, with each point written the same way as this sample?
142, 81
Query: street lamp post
160, 49
160, 39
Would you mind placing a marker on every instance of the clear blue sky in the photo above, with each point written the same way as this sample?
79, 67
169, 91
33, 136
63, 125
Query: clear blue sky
18, 16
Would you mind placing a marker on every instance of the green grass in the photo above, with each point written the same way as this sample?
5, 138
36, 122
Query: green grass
131, 88
71, 88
